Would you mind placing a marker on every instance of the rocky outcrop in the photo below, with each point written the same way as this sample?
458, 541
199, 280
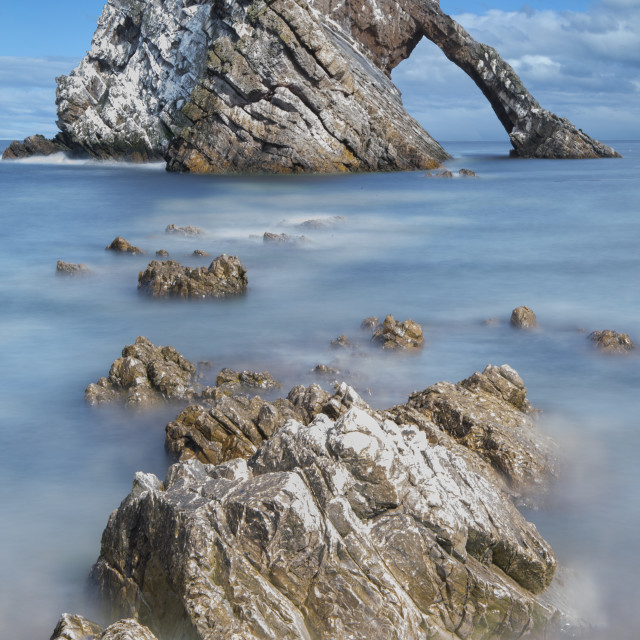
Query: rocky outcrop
74, 627
71, 268
610, 341
281, 85
490, 415
144, 375
225, 276
120, 245
36, 145
395, 335
230, 379
189, 230
523, 318
353, 527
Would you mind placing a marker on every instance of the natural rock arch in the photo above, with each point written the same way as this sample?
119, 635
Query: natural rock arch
281, 86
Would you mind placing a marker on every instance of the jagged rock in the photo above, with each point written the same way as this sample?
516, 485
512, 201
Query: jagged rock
466, 173
79, 628
325, 370
489, 413
71, 269
36, 145
370, 324
394, 334
250, 379
281, 85
611, 341
189, 230
523, 318
162, 253
120, 245
225, 276
350, 529
342, 342
200, 253
145, 374
74, 627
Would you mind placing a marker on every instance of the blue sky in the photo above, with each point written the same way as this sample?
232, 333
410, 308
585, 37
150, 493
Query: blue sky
580, 59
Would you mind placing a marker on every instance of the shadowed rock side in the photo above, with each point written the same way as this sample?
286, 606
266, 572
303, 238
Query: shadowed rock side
74, 627
279, 86
355, 528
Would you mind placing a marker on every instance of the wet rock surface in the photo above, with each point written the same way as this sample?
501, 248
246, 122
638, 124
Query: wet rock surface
339, 526
610, 341
523, 318
225, 276
71, 269
490, 414
395, 335
144, 375
120, 245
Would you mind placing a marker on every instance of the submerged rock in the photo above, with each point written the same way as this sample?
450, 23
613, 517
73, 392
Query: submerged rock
394, 334
162, 253
282, 238
145, 374
282, 86
523, 318
466, 173
200, 253
611, 341
189, 230
489, 414
342, 342
71, 269
225, 276
120, 245
347, 528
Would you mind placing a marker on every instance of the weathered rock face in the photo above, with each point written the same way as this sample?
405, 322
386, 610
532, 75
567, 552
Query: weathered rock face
73, 627
281, 85
225, 276
145, 374
392, 334
611, 341
490, 415
355, 528
523, 318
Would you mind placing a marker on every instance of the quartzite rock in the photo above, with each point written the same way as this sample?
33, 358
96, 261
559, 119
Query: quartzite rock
73, 627
353, 529
145, 374
611, 341
281, 85
120, 245
71, 269
225, 276
394, 334
490, 414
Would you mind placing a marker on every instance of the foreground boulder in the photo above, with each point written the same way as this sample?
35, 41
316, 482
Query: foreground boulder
225, 276
611, 341
354, 528
281, 86
144, 375
489, 414
73, 627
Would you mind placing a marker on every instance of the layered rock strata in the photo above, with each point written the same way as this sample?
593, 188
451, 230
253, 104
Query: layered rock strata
225, 276
280, 85
144, 375
350, 528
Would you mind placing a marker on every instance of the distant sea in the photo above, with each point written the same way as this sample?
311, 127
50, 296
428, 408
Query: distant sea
559, 236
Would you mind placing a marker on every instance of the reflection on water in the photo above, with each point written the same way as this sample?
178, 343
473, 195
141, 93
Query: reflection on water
560, 237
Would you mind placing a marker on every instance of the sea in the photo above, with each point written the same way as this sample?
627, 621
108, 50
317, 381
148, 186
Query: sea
455, 254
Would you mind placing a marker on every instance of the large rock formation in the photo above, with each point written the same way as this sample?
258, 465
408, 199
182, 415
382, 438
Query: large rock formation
355, 528
280, 85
